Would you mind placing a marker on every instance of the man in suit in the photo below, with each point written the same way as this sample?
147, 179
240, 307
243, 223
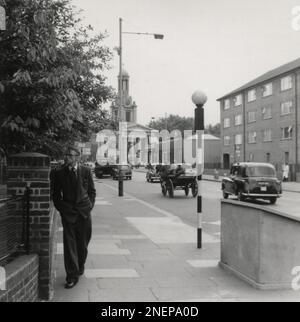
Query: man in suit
74, 197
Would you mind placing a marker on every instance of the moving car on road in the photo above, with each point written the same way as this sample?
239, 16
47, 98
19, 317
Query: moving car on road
122, 170
103, 169
252, 180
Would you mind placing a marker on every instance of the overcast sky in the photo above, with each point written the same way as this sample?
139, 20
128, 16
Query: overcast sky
212, 45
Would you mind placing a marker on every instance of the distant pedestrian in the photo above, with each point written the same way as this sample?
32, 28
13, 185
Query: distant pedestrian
74, 197
285, 170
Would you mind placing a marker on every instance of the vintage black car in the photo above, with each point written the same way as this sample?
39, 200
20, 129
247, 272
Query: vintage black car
103, 170
123, 171
252, 180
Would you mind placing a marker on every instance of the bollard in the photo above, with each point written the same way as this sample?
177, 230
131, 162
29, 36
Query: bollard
121, 184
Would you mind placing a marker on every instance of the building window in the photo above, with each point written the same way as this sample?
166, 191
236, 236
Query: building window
251, 157
266, 112
287, 133
267, 90
238, 139
226, 140
286, 108
238, 100
238, 119
251, 95
286, 83
268, 157
252, 137
227, 104
251, 116
128, 116
226, 123
267, 135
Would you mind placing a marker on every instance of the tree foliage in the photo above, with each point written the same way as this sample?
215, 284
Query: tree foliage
176, 122
172, 122
51, 87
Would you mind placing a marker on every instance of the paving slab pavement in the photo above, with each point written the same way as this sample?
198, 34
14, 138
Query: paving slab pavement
131, 259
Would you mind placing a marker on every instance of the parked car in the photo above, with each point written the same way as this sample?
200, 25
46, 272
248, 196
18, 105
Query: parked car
123, 170
252, 180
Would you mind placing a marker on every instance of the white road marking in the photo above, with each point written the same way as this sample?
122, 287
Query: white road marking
203, 263
165, 230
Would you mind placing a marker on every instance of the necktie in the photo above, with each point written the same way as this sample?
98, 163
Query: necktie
73, 175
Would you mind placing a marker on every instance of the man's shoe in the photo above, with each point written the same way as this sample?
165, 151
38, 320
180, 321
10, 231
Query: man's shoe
71, 284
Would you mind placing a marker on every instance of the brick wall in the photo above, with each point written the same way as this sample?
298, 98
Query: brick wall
32, 170
21, 280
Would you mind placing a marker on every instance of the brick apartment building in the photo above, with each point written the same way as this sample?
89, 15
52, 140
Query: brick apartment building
260, 120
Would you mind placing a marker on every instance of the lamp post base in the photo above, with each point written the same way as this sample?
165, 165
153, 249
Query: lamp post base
121, 188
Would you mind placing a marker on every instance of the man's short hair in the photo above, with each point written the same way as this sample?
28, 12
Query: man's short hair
72, 149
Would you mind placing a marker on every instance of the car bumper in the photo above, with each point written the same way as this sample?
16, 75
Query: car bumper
257, 195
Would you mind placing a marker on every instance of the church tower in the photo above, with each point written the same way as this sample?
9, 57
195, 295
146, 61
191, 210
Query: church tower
129, 107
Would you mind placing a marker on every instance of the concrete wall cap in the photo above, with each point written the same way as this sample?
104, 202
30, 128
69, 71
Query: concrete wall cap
262, 208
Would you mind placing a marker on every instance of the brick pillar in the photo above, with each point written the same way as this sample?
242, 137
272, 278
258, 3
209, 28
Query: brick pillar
33, 169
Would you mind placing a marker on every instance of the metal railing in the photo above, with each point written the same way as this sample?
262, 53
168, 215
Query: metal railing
14, 226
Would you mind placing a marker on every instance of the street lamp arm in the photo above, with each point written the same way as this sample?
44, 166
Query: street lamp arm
156, 36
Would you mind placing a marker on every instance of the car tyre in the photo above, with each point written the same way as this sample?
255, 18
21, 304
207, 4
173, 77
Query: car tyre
273, 200
240, 196
195, 189
164, 188
186, 191
225, 194
171, 189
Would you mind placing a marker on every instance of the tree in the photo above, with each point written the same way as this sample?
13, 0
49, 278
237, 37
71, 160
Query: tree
51, 87
214, 130
173, 122
176, 122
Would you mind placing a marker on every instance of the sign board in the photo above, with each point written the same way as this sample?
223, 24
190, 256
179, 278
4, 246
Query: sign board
2, 19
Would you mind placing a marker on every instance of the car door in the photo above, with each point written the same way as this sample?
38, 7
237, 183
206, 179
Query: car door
230, 184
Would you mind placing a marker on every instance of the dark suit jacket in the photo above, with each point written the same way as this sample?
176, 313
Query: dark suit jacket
73, 200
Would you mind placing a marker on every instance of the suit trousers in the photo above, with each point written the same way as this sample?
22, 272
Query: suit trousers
76, 237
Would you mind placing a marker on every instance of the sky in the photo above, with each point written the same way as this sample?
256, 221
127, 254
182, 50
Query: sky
214, 46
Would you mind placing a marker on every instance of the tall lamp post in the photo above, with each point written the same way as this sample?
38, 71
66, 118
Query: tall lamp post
199, 98
121, 110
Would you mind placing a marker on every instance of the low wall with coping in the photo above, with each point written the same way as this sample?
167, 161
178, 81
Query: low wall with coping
20, 283
259, 244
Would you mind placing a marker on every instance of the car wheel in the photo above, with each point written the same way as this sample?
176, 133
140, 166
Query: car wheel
225, 194
186, 191
273, 200
195, 189
240, 196
164, 188
171, 189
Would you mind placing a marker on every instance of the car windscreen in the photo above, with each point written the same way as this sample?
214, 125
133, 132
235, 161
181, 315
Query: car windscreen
260, 171
124, 167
